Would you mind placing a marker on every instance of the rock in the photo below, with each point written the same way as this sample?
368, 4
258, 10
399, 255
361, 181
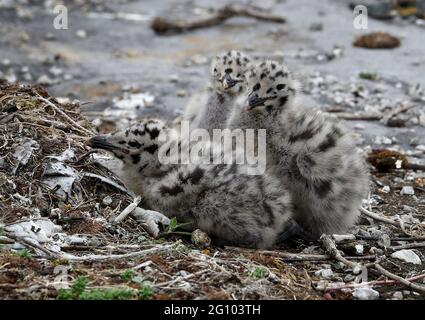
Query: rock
420, 147
200, 239
324, 273
383, 140
81, 34
422, 119
398, 295
45, 80
407, 190
407, 208
174, 78
181, 93
49, 36
107, 200
5, 62
55, 71
376, 200
349, 278
377, 40
359, 126
414, 141
365, 294
359, 249
384, 240
376, 251
316, 26
386, 189
408, 256
24, 149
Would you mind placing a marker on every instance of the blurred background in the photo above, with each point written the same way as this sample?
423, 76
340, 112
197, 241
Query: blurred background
113, 61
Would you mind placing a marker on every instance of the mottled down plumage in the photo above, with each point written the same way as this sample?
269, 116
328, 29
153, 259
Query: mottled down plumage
313, 155
234, 208
227, 82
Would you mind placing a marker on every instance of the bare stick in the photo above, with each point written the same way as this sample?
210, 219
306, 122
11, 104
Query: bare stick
330, 247
110, 257
355, 117
376, 283
68, 118
408, 246
162, 25
367, 116
287, 256
128, 210
397, 223
406, 282
379, 217
106, 180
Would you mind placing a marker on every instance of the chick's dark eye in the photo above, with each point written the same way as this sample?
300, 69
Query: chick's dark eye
134, 144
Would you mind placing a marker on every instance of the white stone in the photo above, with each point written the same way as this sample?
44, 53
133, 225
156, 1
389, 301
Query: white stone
407, 190
324, 273
408, 256
365, 294
107, 200
81, 34
398, 295
420, 147
359, 248
386, 189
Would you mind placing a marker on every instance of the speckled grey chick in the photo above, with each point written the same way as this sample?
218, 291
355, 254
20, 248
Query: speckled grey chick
227, 80
233, 207
313, 155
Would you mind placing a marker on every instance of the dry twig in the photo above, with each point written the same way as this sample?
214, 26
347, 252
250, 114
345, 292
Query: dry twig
68, 118
162, 25
110, 257
330, 247
128, 210
404, 281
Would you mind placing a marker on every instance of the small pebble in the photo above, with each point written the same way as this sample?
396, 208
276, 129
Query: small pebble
408, 256
365, 294
359, 249
81, 34
386, 189
407, 190
398, 295
181, 93
107, 200
200, 239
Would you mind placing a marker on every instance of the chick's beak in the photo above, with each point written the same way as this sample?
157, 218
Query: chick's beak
255, 101
101, 142
228, 82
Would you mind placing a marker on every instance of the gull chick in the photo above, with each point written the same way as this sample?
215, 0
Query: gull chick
313, 155
227, 81
233, 207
